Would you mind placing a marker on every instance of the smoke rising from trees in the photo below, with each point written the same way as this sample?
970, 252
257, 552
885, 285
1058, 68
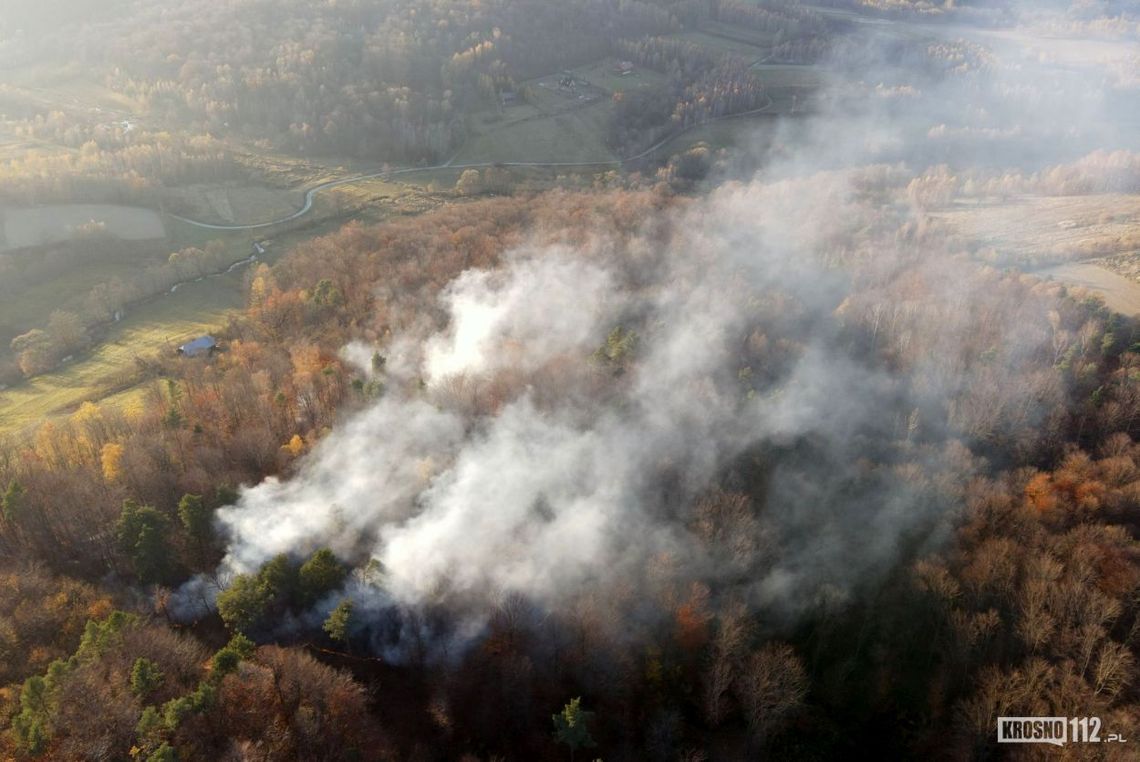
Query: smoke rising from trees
564, 430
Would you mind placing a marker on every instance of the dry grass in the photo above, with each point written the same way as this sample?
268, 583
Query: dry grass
1034, 231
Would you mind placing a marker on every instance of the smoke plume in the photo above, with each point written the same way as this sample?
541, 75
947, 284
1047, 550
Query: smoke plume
557, 435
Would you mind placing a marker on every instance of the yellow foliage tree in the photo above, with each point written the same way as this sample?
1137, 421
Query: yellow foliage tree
296, 445
112, 458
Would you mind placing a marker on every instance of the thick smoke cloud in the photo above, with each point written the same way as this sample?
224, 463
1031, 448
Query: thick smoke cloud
554, 436
583, 473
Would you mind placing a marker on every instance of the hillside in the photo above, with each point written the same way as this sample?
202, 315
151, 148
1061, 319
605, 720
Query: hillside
675, 380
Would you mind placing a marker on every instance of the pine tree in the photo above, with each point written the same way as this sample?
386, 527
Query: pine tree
570, 727
141, 532
337, 624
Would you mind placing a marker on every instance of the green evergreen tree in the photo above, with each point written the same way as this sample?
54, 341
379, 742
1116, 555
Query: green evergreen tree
337, 624
243, 604
225, 495
571, 727
146, 677
196, 519
279, 578
320, 575
142, 537
164, 753
227, 659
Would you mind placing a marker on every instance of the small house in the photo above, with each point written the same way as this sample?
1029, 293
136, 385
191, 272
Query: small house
203, 345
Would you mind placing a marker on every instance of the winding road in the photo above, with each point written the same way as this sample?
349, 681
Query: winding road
385, 174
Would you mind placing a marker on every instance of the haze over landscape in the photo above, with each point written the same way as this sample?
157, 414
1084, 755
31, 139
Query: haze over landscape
644, 380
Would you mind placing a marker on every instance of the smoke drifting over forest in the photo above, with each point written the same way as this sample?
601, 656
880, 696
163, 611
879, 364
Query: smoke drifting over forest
562, 485
637, 380
557, 436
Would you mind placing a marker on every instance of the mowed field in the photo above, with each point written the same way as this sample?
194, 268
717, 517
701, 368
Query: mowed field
576, 136
67, 88
129, 238
604, 74
29, 306
231, 204
156, 327
740, 46
37, 225
754, 37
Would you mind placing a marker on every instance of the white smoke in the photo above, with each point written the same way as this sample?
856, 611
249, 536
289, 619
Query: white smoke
558, 485
509, 456
545, 308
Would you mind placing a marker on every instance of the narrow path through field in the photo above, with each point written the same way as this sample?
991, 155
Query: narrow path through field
386, 174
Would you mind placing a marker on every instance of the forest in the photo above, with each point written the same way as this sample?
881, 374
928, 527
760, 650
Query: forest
395, 81
1008, 584
801, 446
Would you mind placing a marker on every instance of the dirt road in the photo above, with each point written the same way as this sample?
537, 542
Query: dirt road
1120, 294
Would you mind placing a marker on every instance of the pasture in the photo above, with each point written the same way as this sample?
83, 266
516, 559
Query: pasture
604, 74
573, 137
230, 204
721, 44
753, 37
53, 223
66, 87
157, 326
30, 305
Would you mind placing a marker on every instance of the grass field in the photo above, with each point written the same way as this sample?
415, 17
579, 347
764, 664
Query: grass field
721, 44
487, 121
33, 226
229, 204
66, 87
157, 326
31, 305
602, 74
1052, 229
753, 37
576, 136
789, 75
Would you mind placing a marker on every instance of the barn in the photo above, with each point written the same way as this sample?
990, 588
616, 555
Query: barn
203, 345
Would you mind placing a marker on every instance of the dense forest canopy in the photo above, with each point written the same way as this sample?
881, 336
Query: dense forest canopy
771, 451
